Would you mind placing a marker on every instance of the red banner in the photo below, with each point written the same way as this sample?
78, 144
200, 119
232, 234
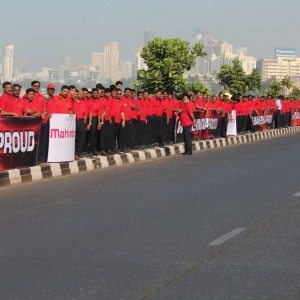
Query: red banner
19, 139
262, 119
205, 128
295, 118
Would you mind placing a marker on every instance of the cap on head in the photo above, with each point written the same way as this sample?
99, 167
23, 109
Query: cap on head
51, 86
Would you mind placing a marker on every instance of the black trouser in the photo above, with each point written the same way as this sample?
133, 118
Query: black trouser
223, 126
108, 142
187, 138
93, 135
43, 143
160, 130
287, 119
117, 130
142, 134
148, 130
153, 133
125, 142
240, 123
170, 130
80, 137
278, 119
135, 132
99, 138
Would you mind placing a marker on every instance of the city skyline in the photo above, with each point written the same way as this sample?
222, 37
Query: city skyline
56, 32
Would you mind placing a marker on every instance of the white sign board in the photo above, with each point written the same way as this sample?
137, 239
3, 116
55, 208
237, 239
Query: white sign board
231, 126
62, 134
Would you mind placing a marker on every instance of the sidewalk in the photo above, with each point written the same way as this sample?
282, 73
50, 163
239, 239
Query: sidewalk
51, 170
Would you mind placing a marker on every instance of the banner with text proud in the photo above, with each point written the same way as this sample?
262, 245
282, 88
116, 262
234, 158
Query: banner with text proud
62, 133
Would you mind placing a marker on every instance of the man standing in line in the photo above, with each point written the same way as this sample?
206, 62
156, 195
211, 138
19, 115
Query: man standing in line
6, 97
187, 119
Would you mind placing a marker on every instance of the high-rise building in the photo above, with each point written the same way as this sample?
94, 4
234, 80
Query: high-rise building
111, 61
285, 63
97, 61
248, 62
8, 62
127, 70
140, 63
22, 65
148, 36
218, 54
69, 62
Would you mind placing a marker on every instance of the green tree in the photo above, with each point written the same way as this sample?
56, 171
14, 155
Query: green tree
274, 89
287, 82
254, 81
295, 93
234, 79
167, 61
196, 87
277, 87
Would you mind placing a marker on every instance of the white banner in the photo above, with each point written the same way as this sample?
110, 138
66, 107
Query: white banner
231, 126
62, 133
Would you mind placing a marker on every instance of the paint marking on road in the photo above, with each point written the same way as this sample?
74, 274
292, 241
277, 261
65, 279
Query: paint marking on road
226, 237
297, 194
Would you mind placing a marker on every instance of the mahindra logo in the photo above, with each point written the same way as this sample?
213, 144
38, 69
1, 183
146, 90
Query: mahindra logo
17, 141
62, 134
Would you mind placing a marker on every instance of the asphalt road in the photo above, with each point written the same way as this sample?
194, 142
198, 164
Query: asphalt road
221, 224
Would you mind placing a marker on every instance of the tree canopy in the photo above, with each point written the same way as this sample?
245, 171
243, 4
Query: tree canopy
235, 80
167, 61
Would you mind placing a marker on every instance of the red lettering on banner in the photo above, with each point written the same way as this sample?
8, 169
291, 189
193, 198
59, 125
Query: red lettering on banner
62, 134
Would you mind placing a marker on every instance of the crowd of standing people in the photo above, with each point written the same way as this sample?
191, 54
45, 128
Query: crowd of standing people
115, 119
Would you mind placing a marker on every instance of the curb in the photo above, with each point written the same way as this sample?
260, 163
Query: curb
52, 170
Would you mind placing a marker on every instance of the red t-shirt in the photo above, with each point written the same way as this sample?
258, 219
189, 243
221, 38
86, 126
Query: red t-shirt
127, 103
150, 109
59, 105
159, 107
94, 106
117, 110
15, 105
5, 99
79, 108
136, 113
185, 115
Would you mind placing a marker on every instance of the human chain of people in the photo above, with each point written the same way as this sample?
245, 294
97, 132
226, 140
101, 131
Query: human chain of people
112, 120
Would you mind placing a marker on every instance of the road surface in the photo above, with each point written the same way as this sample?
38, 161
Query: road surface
221, 224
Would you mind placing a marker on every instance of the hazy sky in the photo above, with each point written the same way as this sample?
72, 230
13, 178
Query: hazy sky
46, 31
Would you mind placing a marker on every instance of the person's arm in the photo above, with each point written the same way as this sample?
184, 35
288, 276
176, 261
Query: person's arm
100, 123
88, 127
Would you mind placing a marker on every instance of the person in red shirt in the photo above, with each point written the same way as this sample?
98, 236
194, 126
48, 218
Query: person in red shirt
60, 104
5, 98
14, 105
33, 108
79, 108
44, 134
108, 125
135, 120
149, 113
160, 120
175, 104
118, 120
125, 131
187, 119
95, 111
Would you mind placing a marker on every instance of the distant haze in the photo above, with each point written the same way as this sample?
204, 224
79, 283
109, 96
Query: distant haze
46, 31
